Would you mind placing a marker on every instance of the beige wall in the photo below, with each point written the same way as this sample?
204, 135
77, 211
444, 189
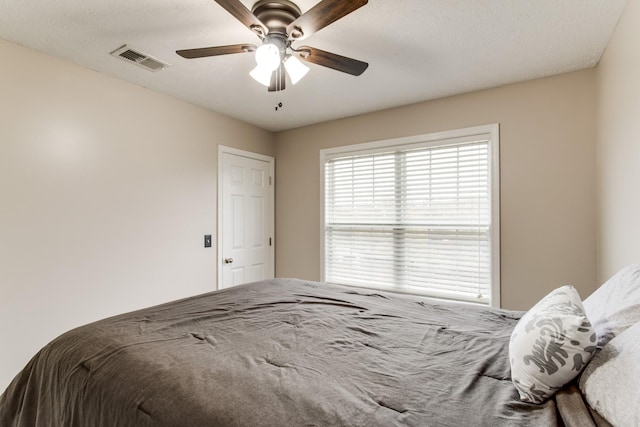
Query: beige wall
106, 191
547, 142
618, 147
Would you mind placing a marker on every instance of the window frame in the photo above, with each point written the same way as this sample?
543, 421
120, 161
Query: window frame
430, 140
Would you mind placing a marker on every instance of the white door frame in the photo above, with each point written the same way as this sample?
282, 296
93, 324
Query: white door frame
235, 151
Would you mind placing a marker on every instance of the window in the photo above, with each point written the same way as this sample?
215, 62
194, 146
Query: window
417, 215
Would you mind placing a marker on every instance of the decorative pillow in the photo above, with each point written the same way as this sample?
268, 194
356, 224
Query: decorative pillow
550, 345
610, 382
615, 305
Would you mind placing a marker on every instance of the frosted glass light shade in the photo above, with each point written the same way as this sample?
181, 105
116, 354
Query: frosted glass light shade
296, 69
262, 75
268, 56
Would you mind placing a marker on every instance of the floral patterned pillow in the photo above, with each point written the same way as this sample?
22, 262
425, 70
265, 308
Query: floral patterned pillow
550, 345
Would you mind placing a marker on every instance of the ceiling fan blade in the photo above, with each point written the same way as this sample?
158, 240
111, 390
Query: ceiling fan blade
321, 15
332, 60
203, 52
244, 15
278, 79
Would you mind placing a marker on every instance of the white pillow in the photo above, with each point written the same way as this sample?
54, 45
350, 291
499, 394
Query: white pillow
550, 345
611, 381
615, 305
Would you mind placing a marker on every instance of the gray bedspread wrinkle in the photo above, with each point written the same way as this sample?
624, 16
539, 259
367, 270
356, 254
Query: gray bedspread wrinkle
283, 352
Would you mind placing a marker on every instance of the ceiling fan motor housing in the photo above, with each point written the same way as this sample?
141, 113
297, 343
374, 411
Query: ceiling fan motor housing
276, 15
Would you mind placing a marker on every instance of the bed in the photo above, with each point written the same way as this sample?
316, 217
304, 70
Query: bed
285, 352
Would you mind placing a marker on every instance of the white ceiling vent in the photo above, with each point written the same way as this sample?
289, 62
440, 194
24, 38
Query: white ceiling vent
134, 56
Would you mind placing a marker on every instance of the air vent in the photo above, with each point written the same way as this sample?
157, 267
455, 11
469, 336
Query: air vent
134, 56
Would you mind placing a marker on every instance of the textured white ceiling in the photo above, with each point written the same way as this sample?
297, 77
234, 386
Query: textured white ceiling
417, 50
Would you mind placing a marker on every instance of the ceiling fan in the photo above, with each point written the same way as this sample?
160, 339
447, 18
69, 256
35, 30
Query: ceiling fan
279, 23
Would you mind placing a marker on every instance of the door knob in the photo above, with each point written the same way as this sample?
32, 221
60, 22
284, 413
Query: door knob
228, 260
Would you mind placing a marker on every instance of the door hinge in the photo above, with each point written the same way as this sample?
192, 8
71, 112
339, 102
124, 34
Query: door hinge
270, 181
269, 241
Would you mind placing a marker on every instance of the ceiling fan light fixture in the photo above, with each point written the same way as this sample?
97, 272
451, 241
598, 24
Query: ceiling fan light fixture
262, 75
295, 69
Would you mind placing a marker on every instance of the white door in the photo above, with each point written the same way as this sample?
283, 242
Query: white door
246, 218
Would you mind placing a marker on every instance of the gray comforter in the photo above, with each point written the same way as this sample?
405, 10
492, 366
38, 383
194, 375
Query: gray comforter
279, 353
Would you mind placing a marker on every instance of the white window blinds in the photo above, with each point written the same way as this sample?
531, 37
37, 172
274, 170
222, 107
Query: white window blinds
414, 218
